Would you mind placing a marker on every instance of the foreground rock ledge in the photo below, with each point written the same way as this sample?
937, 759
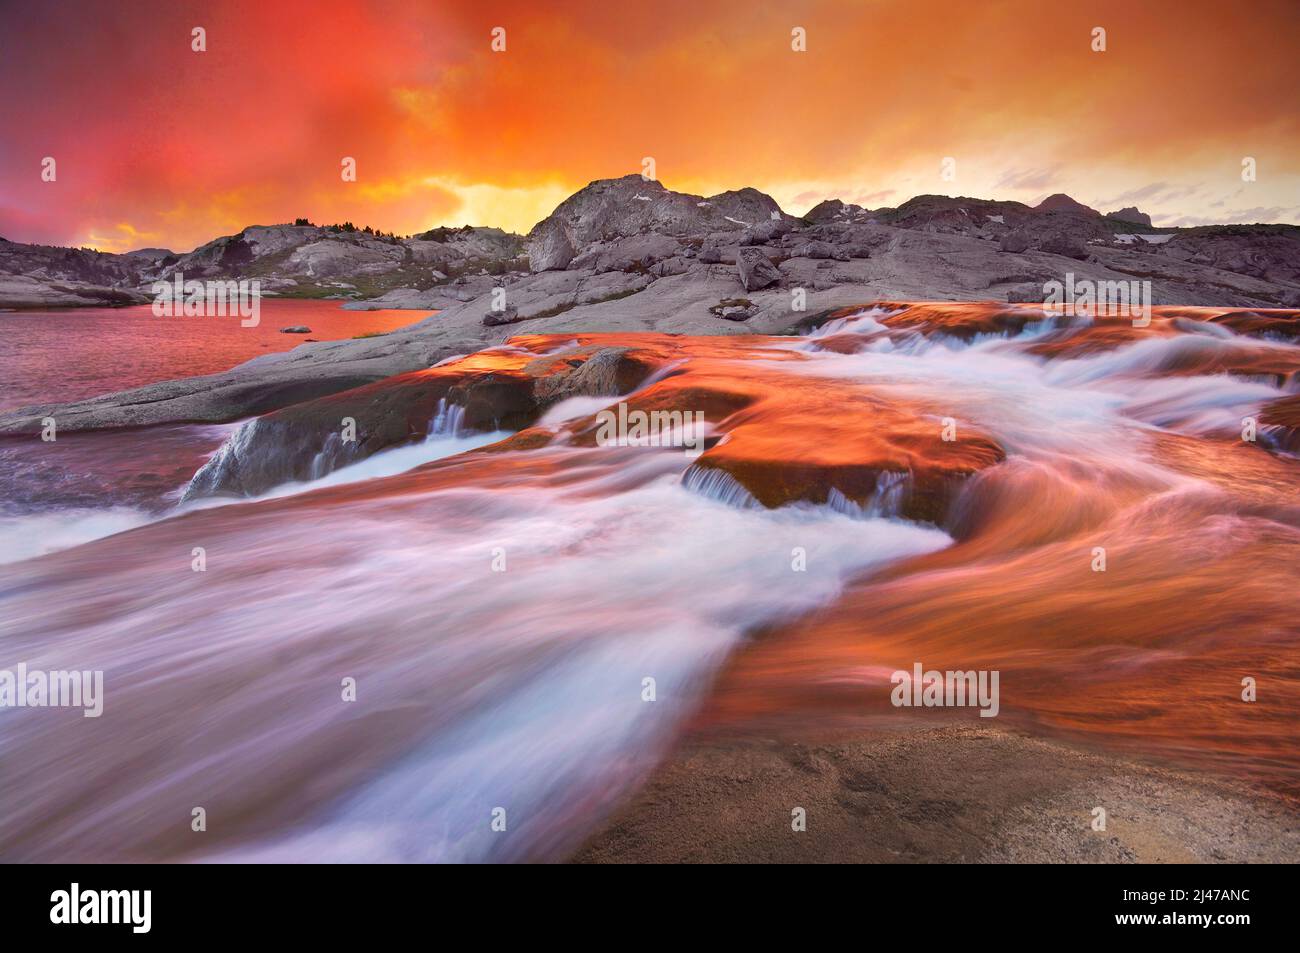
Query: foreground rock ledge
782, 436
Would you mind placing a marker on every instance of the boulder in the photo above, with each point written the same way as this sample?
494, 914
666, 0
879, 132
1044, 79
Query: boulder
734, 309
1064, 245
813, 250
755, 269
1014, 242
507, 315
769, 230
296, 329
603, 372
549, 247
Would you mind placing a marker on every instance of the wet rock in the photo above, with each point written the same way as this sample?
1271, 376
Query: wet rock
496, 389
1283, 325
500, 400
296, 329
604, 372
1279, 424
901, 466
306, 441
962, 320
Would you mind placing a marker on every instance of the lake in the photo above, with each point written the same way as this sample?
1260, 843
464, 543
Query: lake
69, 354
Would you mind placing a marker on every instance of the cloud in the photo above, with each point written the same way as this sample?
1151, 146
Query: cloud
868, 199
182, 145
1162, 192
1030, 179
1246, 216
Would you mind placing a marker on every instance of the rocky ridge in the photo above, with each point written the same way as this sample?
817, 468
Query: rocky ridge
629, 255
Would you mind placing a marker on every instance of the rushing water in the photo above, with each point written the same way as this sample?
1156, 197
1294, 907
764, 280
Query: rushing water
501, 612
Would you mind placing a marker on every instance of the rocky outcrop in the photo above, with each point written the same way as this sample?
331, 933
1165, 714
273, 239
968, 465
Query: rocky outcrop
1268, 252
610, 210
44, 276
930, 246
23, 291
616, 208
836, 211
961, 216
1131, 215
298, 260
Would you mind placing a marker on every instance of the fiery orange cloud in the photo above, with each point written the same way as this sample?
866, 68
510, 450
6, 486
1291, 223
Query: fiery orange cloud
158, 144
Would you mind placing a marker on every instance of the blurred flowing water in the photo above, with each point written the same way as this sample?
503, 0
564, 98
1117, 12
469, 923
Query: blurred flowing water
501, 612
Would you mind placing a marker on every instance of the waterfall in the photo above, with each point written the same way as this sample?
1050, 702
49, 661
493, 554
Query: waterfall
448, 421
886, 501
719, 485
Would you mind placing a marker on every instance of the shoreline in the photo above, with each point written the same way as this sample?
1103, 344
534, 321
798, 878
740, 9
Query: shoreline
926, 793
147, 302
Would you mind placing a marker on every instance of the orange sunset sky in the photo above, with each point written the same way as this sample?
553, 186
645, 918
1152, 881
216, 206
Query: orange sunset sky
157, 145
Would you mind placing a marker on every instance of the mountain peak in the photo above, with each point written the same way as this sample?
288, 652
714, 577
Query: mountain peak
1131, 214
1060, 202
613, 209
